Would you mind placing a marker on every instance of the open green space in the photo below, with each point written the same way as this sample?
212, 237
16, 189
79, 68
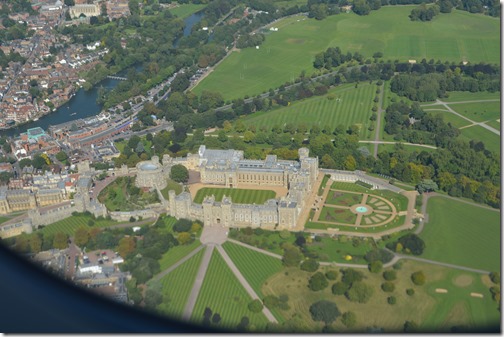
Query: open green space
428, 309
254, 266
172, 185
478, 112
291, 49
123, 195
177, 286
175, 254
470, 234
238, 196
330, 214
343, 199
407, 148
4, 219
335, 249
185, 10
462, 96
344, 105
478, 133
70, 224
448, 117
267, 240
495, 124
223, 294
323, 184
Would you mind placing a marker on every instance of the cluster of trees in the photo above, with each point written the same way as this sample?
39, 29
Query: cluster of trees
245, 41
11, 57
424, 13
334, 57
409, 244
320, 9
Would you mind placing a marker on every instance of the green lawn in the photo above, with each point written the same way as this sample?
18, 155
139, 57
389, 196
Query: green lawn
254, 266
185, 10
291, 49
172, 185
177, 286
335, 249
343, 199
323, 184
238, 196
4, 219
495, 124
478, 112
222, 293
448, 117
174, 254
462, 234
460, 96
349, 106
407, 148
476, 132
70, 224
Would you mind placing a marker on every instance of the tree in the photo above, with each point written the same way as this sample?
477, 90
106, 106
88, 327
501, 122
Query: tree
324, 311
216, 318
389, 275
81, 237
292, 256
195, 227
184, 238
255, 306
60, 241
418, 278
153, 296
495, 277
427, 185
349, 319
179, 173
350, 276
61, 156
410, 291
248, 136
317, 282
182, 225
413, 243
35, 243
244, 322
207, 315
359, 292
361, 7
391, 300
375, 267
126, 246
388, 287
332, 275
310, 265
340, 288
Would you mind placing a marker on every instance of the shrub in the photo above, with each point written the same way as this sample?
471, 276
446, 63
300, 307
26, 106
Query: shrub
495, 277
349, 319
340, 288
284, 234
309, 265
317, 282
388, 287
389, 275
418, 278
375, 267
255, 306
332, 275
410, 326
410, 291
392, 300
131, 219
397, 265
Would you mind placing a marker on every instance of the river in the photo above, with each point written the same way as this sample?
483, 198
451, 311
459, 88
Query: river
83, 104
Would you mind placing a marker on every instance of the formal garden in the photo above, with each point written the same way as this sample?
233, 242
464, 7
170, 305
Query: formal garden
122, 195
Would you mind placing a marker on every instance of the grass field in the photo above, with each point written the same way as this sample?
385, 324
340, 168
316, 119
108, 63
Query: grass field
177, 286
185, 10
351, 106
470, 235
448, 117
238, 196
389, 30
70, 224
427, 308
222, 293
490, 139
460, 96
174, 254
407, 148
335, 249
172, 185
254, 266
478, 112
495, 124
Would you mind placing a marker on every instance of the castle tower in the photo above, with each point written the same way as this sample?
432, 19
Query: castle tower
208, 204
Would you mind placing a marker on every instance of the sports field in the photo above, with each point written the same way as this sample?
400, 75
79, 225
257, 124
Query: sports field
470, 234
223, 294
70, 224
349, 106
177, 286
254, 266
238, 196
459, 36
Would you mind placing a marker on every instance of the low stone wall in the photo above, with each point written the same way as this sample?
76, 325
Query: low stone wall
125, 216
51, 216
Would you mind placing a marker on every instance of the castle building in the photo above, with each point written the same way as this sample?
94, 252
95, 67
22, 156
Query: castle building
229, 168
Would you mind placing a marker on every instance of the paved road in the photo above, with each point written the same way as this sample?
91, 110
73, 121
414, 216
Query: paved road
184, 259
378, 122
376, 142
244, 283
447, 107
191, 301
